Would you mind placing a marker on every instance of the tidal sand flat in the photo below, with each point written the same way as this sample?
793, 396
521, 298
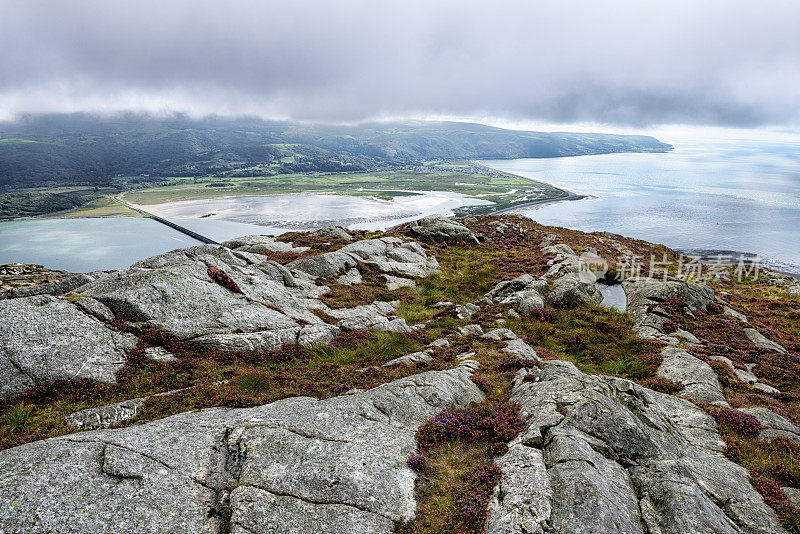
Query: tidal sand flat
308, 211
88, 244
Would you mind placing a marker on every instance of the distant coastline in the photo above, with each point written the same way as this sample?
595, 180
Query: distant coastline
569, 195
703, 196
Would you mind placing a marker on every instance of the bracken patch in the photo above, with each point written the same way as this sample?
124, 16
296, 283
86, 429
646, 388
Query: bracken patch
222, 278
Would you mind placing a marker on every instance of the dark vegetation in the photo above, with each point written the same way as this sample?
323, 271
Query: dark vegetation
456, 450
29, 203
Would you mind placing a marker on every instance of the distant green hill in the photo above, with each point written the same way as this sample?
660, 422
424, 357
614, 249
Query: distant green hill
85, 150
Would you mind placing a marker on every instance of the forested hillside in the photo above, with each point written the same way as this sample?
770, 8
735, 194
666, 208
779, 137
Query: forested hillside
85, 150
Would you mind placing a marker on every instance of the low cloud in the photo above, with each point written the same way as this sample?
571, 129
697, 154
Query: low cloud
717, 62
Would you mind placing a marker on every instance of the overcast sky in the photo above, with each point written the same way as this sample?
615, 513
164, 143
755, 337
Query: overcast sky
635, 63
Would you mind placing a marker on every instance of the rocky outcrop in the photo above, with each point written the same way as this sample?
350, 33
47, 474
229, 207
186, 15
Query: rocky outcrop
760, 341
793, 291
44, 338
564, 262
727, 310
525, 292
334, 232
773, 425
573, 282
440, 229
530, 301
514, 346
374, 316
387, 255
396, 282
60, 287
509, 288
644, 294
423, 356
466, 311
602, 454
350, 277
571, 290
296, 465
260, 244
93, 307
174, 292
699, 380
251, 304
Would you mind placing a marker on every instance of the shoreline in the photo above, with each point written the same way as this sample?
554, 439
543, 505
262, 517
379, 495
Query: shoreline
544, 202
766, 263
137, 211
570, 195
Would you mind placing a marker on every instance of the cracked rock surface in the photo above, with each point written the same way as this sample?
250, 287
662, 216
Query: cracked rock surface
386, 254
642, 293
174, 292
45, 338
602, 454
440, 229
572, 282
699, 380
296, 465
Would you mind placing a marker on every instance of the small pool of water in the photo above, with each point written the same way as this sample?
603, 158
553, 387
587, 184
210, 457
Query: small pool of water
613, 296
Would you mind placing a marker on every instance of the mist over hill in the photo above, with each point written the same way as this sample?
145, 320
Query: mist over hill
84, 149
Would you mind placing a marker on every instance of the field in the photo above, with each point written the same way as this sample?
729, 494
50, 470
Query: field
504, 190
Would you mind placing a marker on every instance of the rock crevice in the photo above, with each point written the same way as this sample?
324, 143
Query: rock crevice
263, 469
602, 454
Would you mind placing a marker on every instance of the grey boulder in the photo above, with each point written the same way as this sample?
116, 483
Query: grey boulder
440, 229
641, 293
644, 294
602, 454
699, 380
571, 290
260, 244
760, 341
174, 292
529, 300
508, 288
387, 255
45, 338
336, 232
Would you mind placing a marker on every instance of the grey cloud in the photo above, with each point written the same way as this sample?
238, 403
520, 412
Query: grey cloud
717, 62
